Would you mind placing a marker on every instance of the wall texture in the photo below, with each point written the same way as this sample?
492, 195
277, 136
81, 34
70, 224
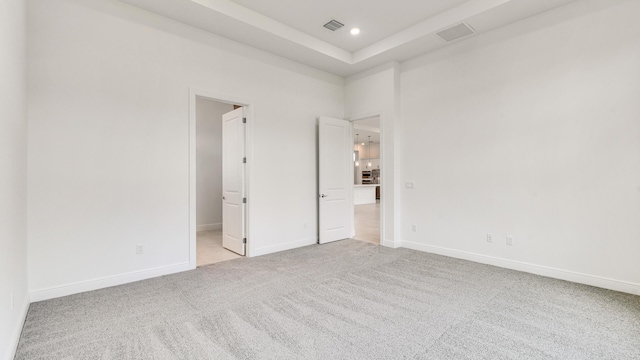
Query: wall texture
531, 131
209, 162
13, 175
109, 153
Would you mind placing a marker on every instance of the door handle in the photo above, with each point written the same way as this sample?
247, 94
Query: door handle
323, 195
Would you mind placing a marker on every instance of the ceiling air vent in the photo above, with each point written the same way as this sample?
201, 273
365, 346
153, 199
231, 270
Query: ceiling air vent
333, 25
455, 32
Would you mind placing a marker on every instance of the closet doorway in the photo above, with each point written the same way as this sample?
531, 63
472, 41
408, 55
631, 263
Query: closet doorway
219, 208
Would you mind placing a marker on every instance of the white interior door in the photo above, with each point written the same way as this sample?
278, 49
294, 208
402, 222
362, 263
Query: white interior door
336, 180
233, 206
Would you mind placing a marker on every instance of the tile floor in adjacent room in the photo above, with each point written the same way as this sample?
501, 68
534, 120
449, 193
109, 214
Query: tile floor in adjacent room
367, 222
209, 248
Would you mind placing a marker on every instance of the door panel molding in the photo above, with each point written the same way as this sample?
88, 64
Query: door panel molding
233, 174
335, 184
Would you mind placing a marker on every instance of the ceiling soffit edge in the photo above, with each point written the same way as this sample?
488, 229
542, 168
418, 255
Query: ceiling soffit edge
425, 28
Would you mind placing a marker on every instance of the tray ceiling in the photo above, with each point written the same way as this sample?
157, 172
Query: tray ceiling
390, 30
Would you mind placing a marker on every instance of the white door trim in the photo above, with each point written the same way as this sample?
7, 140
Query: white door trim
384, 188
248, 104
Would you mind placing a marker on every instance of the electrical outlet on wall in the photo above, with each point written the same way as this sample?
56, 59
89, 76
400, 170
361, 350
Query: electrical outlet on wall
489, 238
509, 240
414, 228
139, 249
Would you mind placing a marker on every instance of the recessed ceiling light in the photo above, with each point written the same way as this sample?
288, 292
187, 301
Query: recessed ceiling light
362, 144
355, 31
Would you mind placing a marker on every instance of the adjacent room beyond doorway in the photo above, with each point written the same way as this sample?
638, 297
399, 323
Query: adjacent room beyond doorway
367, 180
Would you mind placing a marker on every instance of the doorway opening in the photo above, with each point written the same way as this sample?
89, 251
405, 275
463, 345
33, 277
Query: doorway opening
218, 179
367, 179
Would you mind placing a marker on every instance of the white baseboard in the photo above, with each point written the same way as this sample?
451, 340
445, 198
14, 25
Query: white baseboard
598, 281
207, 227
282, 247
391, 243
100, 283
12, 344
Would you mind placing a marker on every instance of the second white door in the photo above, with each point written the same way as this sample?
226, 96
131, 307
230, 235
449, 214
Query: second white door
336, 180
233, 174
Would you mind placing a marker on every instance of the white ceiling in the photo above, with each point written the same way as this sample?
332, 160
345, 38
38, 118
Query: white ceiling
391, 30
362, 136
376, 19
364, 128
373, 122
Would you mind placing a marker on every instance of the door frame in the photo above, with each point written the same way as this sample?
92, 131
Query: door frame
195, 93
383, 168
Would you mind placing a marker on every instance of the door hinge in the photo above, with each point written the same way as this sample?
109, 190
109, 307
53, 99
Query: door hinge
244, 240
244, 200
244, 120
244, 160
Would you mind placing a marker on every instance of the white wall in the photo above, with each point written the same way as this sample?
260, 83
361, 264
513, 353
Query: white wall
13, 175
531, 131
108, 155
209, 162
376, 92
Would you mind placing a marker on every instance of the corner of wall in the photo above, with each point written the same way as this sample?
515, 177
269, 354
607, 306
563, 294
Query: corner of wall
17, 332
394, 244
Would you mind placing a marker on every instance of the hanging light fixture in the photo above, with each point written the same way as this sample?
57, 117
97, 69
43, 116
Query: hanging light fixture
369, 153
356, 153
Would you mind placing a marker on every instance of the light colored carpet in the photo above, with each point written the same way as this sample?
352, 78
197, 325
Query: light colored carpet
344, 300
